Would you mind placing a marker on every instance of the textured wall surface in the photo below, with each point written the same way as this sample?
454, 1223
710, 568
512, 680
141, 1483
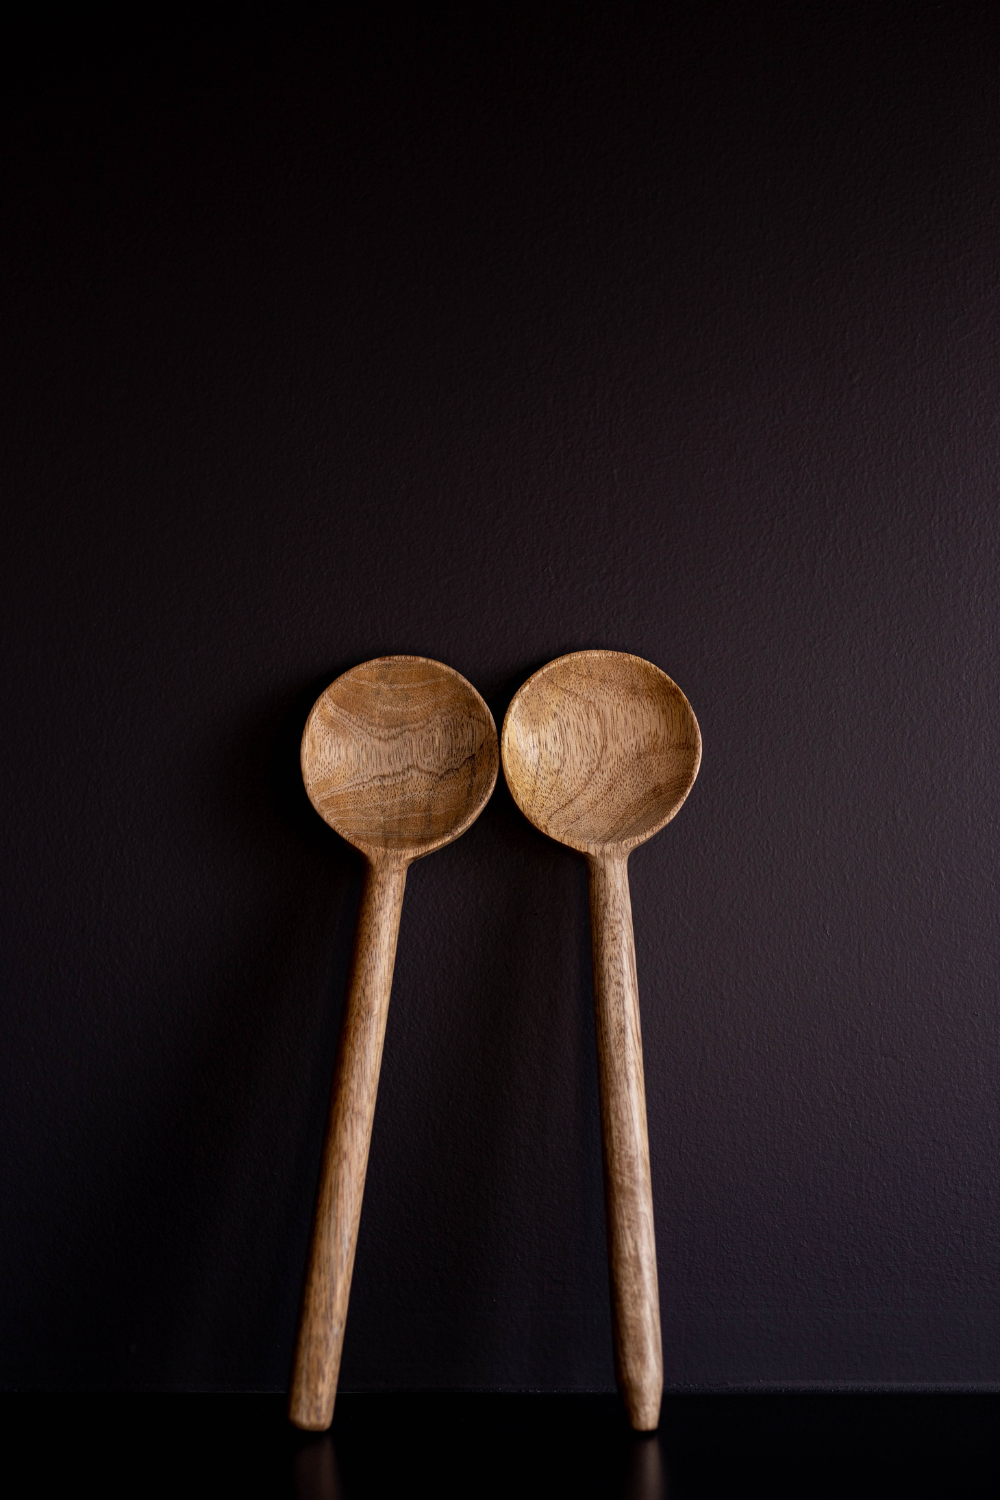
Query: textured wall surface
670, 329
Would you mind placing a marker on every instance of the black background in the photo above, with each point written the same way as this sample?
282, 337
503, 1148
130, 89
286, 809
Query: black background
489, 335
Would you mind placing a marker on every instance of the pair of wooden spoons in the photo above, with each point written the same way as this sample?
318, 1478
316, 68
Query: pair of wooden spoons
400, 756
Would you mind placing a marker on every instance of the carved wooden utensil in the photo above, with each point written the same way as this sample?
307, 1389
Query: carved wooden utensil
400, 756
600, 750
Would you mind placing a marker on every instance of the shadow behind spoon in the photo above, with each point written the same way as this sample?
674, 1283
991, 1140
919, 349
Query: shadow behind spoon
600, 750
399, 755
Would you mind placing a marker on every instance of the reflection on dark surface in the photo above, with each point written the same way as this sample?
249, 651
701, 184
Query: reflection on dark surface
314, 1472
462, 1445
645, 1472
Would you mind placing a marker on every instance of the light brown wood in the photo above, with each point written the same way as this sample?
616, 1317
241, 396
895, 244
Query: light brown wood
600, 749
628, 1193
400, 756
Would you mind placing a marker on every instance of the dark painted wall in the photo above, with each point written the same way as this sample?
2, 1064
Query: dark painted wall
669, 329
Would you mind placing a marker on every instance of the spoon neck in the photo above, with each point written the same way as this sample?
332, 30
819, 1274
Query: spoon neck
388, 862
608, 857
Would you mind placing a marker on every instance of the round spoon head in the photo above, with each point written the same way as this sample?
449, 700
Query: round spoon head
399, 755
600, 749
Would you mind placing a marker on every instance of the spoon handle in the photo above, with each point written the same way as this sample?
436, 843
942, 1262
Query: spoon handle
628, 1194
345, 1150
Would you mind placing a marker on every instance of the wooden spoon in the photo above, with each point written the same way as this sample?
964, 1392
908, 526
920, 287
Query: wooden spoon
400, 756
600, 750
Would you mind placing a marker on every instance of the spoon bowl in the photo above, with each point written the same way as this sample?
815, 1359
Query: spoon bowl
600, 748
399, 756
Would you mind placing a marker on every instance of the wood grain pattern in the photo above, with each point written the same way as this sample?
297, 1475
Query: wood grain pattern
345, 1157
600, 750
400, 756
628, 1193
